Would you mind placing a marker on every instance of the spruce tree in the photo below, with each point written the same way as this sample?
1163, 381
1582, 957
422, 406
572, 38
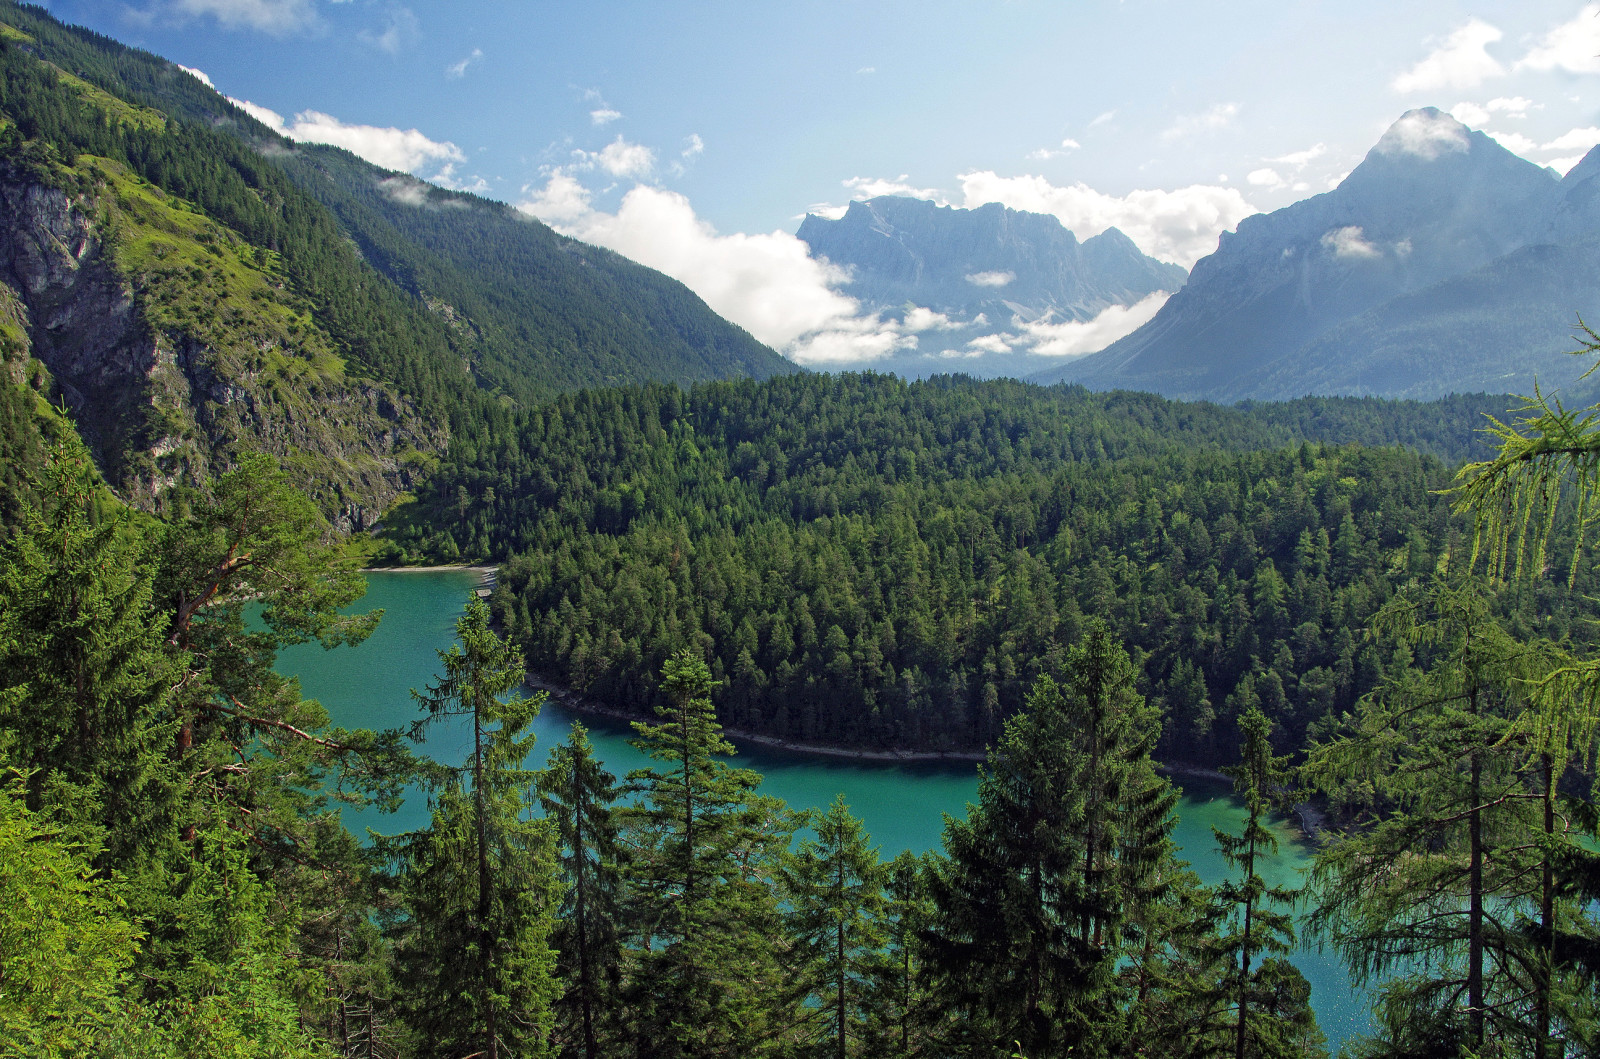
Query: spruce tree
474, 965
1036, 888
707, 981
834, 889
579, 799
85, 679
897, 1005
1255, 918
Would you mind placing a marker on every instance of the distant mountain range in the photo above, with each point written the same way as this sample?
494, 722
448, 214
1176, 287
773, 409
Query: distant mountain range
991, 282
1443, 263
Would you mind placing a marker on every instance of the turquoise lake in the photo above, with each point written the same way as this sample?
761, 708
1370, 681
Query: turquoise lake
902, 805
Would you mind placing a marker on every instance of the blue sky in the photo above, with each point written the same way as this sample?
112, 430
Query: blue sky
693, 136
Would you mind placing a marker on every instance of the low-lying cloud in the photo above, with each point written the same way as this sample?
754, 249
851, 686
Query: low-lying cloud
1181, 225
1078, 337
404, 150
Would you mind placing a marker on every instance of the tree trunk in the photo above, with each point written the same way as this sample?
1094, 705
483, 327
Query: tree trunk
485, 881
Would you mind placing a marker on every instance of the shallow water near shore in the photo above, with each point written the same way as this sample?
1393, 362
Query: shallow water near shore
902, 804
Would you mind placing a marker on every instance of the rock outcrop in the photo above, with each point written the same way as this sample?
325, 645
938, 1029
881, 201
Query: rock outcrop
162, 405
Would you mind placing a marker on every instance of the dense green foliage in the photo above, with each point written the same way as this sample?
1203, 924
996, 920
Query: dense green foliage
870, 562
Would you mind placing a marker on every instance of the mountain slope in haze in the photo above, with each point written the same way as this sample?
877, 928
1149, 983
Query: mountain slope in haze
189, 283
989, 272
1443, 263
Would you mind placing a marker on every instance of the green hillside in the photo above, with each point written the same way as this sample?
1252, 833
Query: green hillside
218, 291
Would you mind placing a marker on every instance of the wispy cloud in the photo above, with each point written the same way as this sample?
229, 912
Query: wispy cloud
400, 28
459, 70
1462, 60
1180, 225
1572, 46
276, 17
405, 150
1217, 117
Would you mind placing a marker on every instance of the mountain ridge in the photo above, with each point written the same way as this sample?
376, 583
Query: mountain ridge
1413, 278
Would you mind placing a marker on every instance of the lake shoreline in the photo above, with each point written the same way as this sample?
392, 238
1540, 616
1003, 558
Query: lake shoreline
486, 571
1308, 820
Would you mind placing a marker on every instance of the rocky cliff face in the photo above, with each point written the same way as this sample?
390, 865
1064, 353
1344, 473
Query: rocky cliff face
160, 404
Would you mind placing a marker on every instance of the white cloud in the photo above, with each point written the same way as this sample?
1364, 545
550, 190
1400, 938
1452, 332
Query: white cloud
391, 148
1101, 119
266, 116
1564, 165
768, 284
1045, 153
921, 319
990, 279
459, 70
1506, 106
1180, 225
872, 187
1512, 106
1574, 140
1471, 114
1349, 242
1426, 133
620, 158
562, 201
1088, 336
1572, 46
1301, 159
604, 115
991, 344
1217, 117
269, 16
1462, 61
1515, 142
692, 146
867, 70
1265, 178
198, 75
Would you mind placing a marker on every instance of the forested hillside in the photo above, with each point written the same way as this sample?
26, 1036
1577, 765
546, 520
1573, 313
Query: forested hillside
874, 563
194, 287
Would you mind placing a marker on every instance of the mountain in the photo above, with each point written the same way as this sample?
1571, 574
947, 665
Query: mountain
187, 284
989, 273
1443, 263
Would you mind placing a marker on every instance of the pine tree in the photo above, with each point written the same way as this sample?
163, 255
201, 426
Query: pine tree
704, 912
579, 799
474, 962
833, 886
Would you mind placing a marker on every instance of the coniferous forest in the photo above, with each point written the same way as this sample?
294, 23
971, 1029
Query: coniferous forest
1379, 615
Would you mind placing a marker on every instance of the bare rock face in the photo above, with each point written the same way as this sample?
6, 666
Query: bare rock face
159, 407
